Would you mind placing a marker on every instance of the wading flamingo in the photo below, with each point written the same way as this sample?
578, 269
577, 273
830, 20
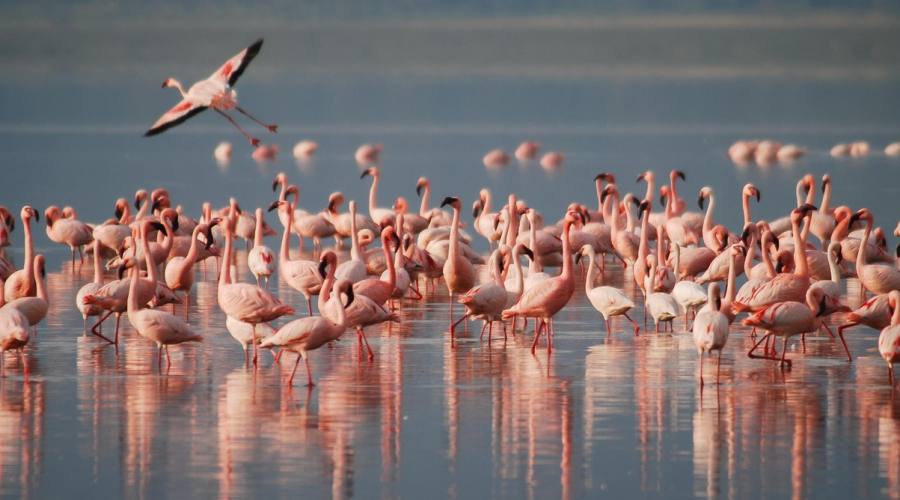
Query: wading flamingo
34, 308
261, 259
786, 319
21, 283
609, 301
889, 340
459, 274
711, 330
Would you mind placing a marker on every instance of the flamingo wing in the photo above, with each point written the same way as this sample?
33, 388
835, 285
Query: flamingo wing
233, 68
175, 116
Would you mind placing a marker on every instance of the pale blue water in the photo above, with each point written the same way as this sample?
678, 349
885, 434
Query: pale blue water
617, 416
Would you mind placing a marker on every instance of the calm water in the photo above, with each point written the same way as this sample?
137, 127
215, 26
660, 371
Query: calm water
603, 415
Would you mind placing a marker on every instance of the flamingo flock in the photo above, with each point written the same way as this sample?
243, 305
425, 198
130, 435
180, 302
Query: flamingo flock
683, 264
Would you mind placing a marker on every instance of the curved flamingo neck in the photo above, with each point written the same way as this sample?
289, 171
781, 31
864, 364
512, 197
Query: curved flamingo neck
373, 196
40, 285
798, 191
126, 214
674, 189
389, 260
767, 259
833, 267
670, 207
426, 200
800, 263
355, 253
258, 231
148, 258
284, 253
651, 277
614, 215
651, 187
861, 253
591, 273
325, 294
535, 266
708, 218
194, 250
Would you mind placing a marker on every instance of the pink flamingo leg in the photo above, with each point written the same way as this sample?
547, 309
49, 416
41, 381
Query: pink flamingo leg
253, 140
309, 382
272, 127
634, 323
297, 362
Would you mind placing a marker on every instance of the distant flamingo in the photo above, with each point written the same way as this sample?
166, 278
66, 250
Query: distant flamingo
368, 154
214, 92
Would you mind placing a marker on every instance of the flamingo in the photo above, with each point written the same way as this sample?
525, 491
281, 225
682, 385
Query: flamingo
34, 308
21, 283
548, 297
711, 330
381, 216
261, 259
91, 288
214, 92
362, 313
299, 274
354, 269
376, 289
435, 216
485, 220
179, 273
786, 319
626, 243
242, 301
244, 334
785, 286
608, 301
341, 221
367, 154
527, 150
823, 221
661, 306
307, 334
889, 340
805, 196
314, 226
157, 326
688, 294
487, 300
459, 274
112, 233
748, 191
13, 332
67, 231
831, 290
876, 278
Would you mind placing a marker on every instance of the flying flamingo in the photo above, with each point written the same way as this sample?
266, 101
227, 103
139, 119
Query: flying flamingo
307, 334
214, 92
889, 340
711, 329
459, 273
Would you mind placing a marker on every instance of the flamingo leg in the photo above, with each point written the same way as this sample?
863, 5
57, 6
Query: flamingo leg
608, 329
272, 128
253, 140
537, 335
701, 368
756, 345
490, 331
718, 366
297, 362
309, 382
309, 306
460, 320
634, 323
891, 374
784, 352
95, 328
844, 342
504, 330
118, 320
828, 330
362, 334
255, 352
278, 355
168, 359
481, 337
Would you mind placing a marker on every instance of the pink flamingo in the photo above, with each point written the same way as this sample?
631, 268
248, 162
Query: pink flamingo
21, 283
459, 273
34, 308
91, 288
876, 278
711, 329
381, 216
548, 297
261, 259
368, 154
527, 150
243, 301
214, 92
307, 334
376, 289
786, 319
487, 300
889, 340
300, 274
179, 273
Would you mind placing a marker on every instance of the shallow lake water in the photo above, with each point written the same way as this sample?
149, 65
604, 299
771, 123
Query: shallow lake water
604, 414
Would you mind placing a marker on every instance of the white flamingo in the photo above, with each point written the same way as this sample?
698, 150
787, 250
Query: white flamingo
261, 259
609, 301
711, 330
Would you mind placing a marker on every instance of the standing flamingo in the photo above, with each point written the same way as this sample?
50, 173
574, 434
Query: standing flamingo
889, 340
381, 216
21, 283
487, 300
354, 269
261, 259
242, 301
307, 334
91, 288
711, 330
786, 319
179, 272
34, 308
609, 301
459, 273
71, 232
214, 92
877, 277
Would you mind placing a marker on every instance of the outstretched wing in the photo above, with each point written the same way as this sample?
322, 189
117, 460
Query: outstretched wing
175, 116
234, 67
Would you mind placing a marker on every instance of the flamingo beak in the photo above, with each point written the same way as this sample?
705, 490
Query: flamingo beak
365, 173
448, 201
476, 209
119, 212
700, 201
680, 175
275, 184
323, 267
640, 177
165, 83
757, 193
528, 252
158, 226
349, 297
419, 190
745, 236
275, 205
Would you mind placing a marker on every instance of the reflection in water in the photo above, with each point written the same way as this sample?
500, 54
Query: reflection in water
22, 407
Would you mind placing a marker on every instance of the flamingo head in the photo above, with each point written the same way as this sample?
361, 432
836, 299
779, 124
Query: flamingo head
452, 201
826, 181
644, 206
421, 185
610, 189
705, 192
751, 190
400, 205
802, 211
7, 218
171, 216
647, 176
139, 196
373, 171
663, 195
676, 174
880, 238
27, 213
750, 231
280, 180
721, 235
329, 258
477, 207
606, 177
809, 182
51, 214
344, 287
784, 261
335, 200
834, 249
